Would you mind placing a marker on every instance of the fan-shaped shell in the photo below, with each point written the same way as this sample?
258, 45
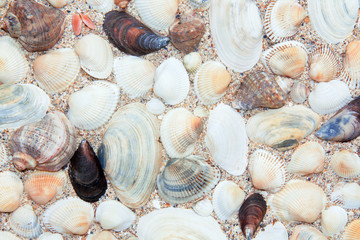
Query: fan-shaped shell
351, 71
352, 231
4, 155
299, 92
305, 232
24, 222
192, 62
155, 106
8, 236
347, 195
333, 220
323, 64
11, 189
50, 236
102, 6
203, 208
345, 164
276, 231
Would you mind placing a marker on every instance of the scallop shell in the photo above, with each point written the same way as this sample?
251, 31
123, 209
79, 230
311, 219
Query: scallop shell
352, 231
299, 200
58, 3
42, 187
308, 158
155, 106
21, 104
299, 92
273, 231
333, 220
171, 81
186, 179
351, 71
102, 6
286, 59
24, 222
56, 70
347, 195
226, 139
69, 216
50, 236
103, 235
323, 64
11, 189
203, 208
345, 164
4, 155
8, 236
134, 75
192, 62
305, 232
227, 199
92, 106
14, 65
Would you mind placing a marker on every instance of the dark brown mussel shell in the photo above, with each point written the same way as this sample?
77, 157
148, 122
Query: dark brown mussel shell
251, 213
37, 27
130, 35
86, 174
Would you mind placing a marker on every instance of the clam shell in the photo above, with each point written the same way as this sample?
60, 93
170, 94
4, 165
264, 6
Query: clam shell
50, 236
4, 155
352, 231
103, 235
203, 208
8, 236
58, 3
24, 222
324, 65
102, 6
299, 92
11, 189
333, 220
155, 106
351, 71
271, 232
345, 164
305, 232
192, 62
347, 195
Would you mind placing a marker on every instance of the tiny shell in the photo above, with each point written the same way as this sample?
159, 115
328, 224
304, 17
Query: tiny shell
58, 3
102, 6
345, 164
203, 208
271, 232
352, 231
324, 65
299, 92
155, 106
11, 189
306, 232
50, 236
333, 220
351, 72
201, 111
192, 62
347, 195
24, 222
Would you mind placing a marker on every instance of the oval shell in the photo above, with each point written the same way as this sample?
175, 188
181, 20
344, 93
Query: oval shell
58, 3
155, 106
323, 64
24, 222
333, 220
11, 189
345, 164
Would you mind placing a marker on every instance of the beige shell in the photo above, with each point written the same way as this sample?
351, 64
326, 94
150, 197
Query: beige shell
333, 220
345, 164
58, 3
352, 231
24, 222
11, 189
102, 6
323, 64
347, 195
103, 235
299, 92
50, 236
8, 236
305, 232
351, 72
192, 62
4, 155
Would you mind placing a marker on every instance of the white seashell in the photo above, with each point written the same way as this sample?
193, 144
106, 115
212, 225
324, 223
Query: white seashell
50, 236
345, 164
334, 20
24, 222
14, 65
11, 189
4, 155
227, 199
134, 75
323, 64
171, 81
3, 3
69, 216
211, 82
92, 106
347, 195
305, 232
227, 140
58, 3
333, 220
201, 111
267, 171
56, 70
308, 158
155, 106
8, 236
328, 97
351, 71
114, 215
272, 232
96, 56
299, 200
103, 235
192, 62
352, 231
299, 92
102, 6
203, 208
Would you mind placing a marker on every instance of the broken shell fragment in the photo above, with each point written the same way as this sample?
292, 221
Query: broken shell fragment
333, 220
345, 164
50, 236
121, 3
4, 154
347, 195
299, 92
323, 64
352, 231
203, 208
192, 62
11, 189
305, 232
24, 222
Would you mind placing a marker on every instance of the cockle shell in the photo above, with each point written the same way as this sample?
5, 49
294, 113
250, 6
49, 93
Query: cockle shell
45, 145
11, 189
50, 236
347, 195
102, 6
299, 200
345, 164
4, 155
178, 223
306, 232
271, 232
186, 179
226, 139
92, 106
203, 208
130, 154
299, 92
351, 71
58, 3
192, 62
333, 220
24, 222
352, 231
282, 128
323, 64
8, 236
155, 106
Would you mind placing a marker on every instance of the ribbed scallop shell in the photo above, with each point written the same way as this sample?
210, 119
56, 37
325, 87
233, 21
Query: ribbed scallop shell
186, 179
282, 19
171, 81
211, 82
323, 64
352, 231
347, 195
273, 231
306, 232
299, 92
102, 6
267, 171
4, 155
24, 222
96, 56
226, 139
203, 208
236, 28
21, 104
56, 70
299, 200
333, 220
92, 106
155, 106
8, 236
345, 164
192, 62
227, 199
44, 186
11, 189
351, 71
103, 235
50, 236
14, 65
134, 75
69, 216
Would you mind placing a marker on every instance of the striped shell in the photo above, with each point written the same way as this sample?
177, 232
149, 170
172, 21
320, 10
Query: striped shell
24, 222
11, 189
351, 72
352, 231
192, 62
324, 65
333, 220
347, 195
346, 164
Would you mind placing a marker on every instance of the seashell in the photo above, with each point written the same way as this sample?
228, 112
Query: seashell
58, 3
155, 106
203, 208
96, 56
103, 235
227, 199
201, 111
86, 174
130, 154
114, 215
157, 14
323, 64
328, 97
87, 21
14, 65
134, 75
305, 232
192, 62
45, 145
333, 20
347, 195
352, 231
271, 232
11, 189
299, 92
178, 223
345, 164
4, 155
227, 140
69, 216
199, 4
8, 236
251, 214
50, 236
121, 3
130, 35
267, 171
102, 6
282, 128
211, 82
299, 201
56, 70
261, 89
333, 220
236, 29
308, 158
186, 179
21, 104
77, 24
92, 106
24, 222
283, 19
3, 3
351, 70
171, 81
286, 59
344, 125
42, 187
37, 27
